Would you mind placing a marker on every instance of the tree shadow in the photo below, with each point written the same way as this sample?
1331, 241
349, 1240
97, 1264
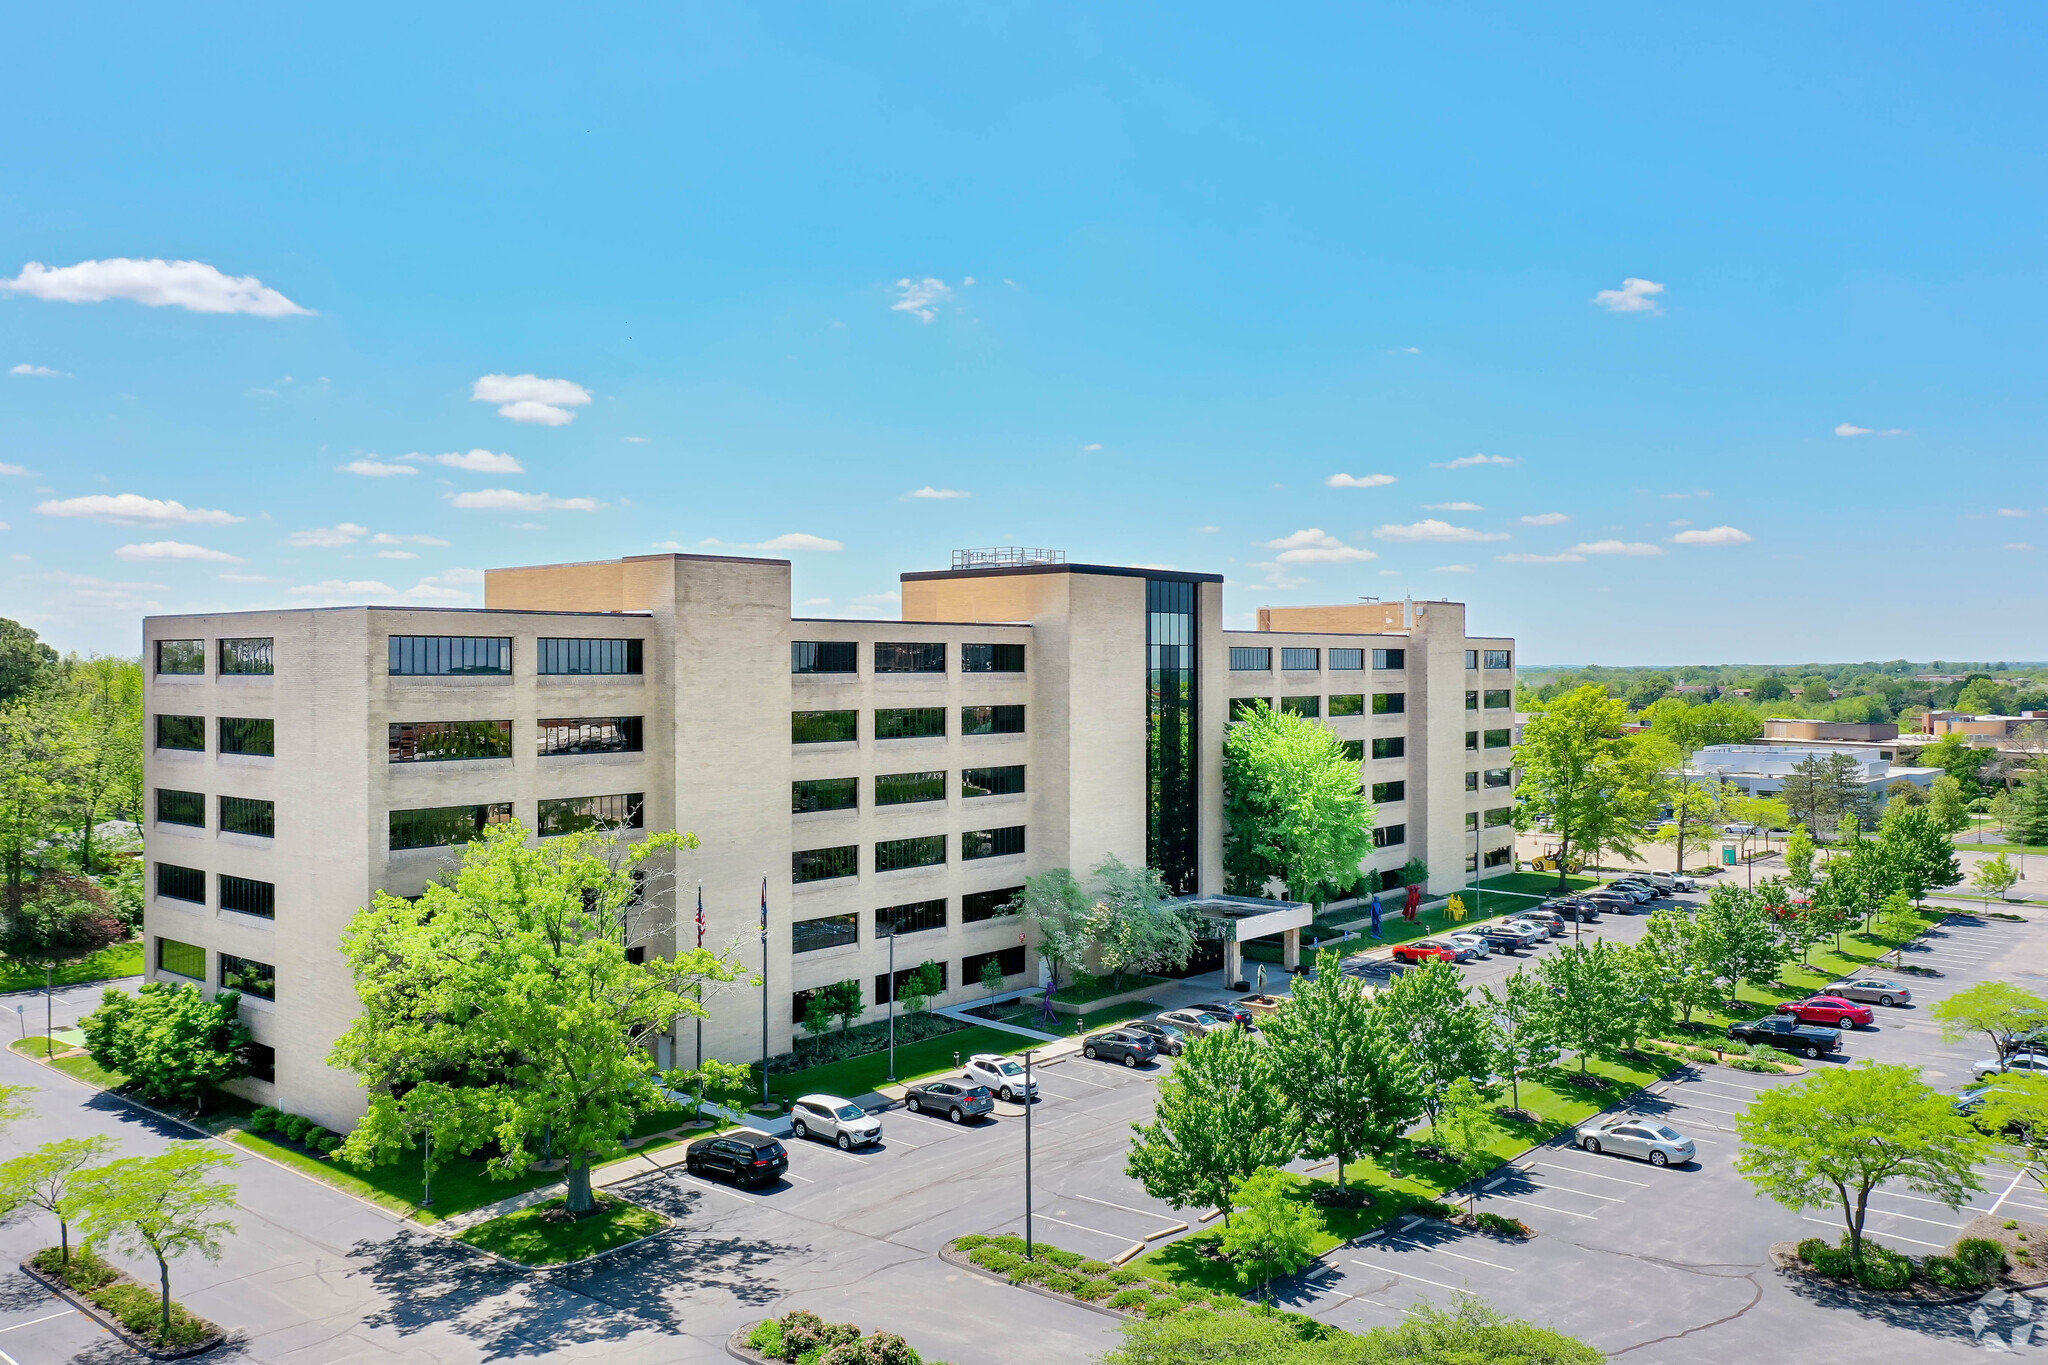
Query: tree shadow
1944, 1322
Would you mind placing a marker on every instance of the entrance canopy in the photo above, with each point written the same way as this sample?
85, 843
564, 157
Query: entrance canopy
1235, 919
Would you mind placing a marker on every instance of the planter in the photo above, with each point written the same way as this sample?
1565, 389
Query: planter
1260, 1004
113, 1324
1131, 996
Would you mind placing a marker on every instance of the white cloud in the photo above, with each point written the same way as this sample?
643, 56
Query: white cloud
2017, 545
41, 370
328, 537
339, 589
1850, 429
1541, 559
511, 500
194, 285
1713, 535
1545, 519
1681, 497
797, 540
1207, 530
245, 578
817, 602
1359, 480
1474, 461
386, 538
475, 461
1093, 445
371, 467
1452, 507
634, 440
1409, 350
1317, 546
921, 298
16, 470
126, 508
396, 554
175, 549
1279, 577
529, 398
2012, 511
447, 589
1432, 529
1634, 296
1452, 568
930, 492
1635, 549
1678, 523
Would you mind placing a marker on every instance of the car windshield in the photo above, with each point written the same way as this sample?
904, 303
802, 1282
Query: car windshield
1009, 1069
1207, 1019
850, 1111
1668, 1134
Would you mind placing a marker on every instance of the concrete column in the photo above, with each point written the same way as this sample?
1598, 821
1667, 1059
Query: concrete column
1233, 963
1290, 949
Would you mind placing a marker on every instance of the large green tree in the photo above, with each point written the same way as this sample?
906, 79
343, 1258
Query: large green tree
1591, 1002
1133, 926
1738, 937
167, 1205
509, 983
1839, 1134
1270, 1232
2028, 824
1353, 1087
170, 1041
1823, 790
1522, 1037
25, 661
1293, 807
1439, 1028
1920, 853
105, 697
1679, 731
1585, 777
39, 752
1999, 1010
1058, 907
1220, 1116
48, 1179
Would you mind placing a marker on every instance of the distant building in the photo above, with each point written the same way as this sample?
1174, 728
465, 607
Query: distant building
1761, 769
1990, 727
1864, 731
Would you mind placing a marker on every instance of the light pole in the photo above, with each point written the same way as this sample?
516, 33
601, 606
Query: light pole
1027, 1155
764, 990
892, 1001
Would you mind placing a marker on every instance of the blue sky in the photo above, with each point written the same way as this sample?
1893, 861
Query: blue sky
1135, 281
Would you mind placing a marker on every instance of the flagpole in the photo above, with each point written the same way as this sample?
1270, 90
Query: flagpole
764, 988
700, 980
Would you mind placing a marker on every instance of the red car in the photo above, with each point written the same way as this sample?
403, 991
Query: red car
1830, 1009
1422, 950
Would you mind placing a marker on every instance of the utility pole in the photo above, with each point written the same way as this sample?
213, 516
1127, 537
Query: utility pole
1027, 1155
892, 1002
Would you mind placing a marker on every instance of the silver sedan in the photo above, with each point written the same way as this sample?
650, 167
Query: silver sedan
1645, 1139
1872, 990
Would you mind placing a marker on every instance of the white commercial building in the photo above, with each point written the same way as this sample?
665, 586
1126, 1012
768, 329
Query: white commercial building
1761, 769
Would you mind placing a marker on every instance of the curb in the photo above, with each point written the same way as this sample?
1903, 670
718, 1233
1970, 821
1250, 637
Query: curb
954, 1258
736, 1344
114, 1324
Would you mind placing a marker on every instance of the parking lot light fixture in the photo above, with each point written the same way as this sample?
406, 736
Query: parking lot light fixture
1028, 1253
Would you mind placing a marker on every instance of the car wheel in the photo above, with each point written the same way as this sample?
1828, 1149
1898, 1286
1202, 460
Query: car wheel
1885, 1000
1592, 1145
1089, 1053
1810, 1051
913, 1105
1130, 1059
1845, 1024
1008, 1095
1659, 1159
845, 1143
799, 1129
955, 1115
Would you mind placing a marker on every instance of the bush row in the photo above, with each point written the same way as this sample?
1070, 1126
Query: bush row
293, 1128
808, 1339
1978, 1262
138, 1307
860, 1041
1067, 1272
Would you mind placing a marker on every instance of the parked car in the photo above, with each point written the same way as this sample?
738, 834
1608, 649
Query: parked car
834, 1120
1783, 1031
1584, 911
957, 1100
743, 1156
1197, 1022
1643, 891
1671, 881
1509, 938
1976, 1097
1645, 1139
1231, 1010
1003, 1075
1872, 990
1550, 919
2024, 1063
1122, 1045
1538, 927
1829, 1009
1612, 901
1428, 950
1470, 938
1741, 827
1172, 1039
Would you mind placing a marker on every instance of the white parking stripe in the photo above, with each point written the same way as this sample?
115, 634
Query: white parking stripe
1439, 1251
1693, 1104
1914, 1218
1588, 1156
2009, 1188
33, 1321
1374, 1265
1099, 1085
1113, 1236
1143, 1213
721, 1189
1894, 1236
1545, 1207
1584, 1194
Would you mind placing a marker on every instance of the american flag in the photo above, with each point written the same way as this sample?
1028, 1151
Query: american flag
700, 914
764, 909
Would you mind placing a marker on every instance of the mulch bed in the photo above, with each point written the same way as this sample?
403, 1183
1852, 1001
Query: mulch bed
113, 1324
2030, 1238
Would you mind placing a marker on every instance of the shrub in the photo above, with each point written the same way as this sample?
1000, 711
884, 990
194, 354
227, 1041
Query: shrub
1190, 1293
1429, 1208
1984, 1257
767, 1338
86, 1271
1008, 1242
293, 1126
1950, 1273
1826, 1259
2011, 1223
1163, 1307
263, 1120
1882, 1268
969, 1242
803, 1333
1130, 1299
1123, 1274
1065, 1260
1063, 1281
1504, 1226
996, 1260
1092, 1290
141, 1312
1031, 1272
1094, 1267
883, 1348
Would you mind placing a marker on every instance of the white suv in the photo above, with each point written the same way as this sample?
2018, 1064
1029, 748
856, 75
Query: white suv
1003, 1075
835, 1120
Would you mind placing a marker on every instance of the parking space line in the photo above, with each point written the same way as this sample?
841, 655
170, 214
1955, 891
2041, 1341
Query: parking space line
722, 1189
1639, 1184
1372, 1265
33, 1321
1439, 1251
2016, 1175
1583, 1194
1142, 1213
1113, 1236
806, 1179
834, 1151
1099, 1085
1545, 1207
913, 1146
923, 1118
1895, 1236
1913, 1218
1689, 1104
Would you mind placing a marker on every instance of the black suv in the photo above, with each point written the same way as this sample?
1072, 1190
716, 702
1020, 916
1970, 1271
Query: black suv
1584, 911
1499, 937
1121, 1045
1172, 1041
744, 1158
1783, 1031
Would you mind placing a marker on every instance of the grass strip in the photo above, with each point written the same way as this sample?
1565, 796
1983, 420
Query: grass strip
545, 1235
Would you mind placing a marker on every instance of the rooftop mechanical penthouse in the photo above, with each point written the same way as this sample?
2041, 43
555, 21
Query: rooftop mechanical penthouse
888, 778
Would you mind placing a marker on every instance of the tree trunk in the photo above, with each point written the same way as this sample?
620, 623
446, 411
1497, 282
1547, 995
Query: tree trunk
163, 1270
579, 1199
63, 1242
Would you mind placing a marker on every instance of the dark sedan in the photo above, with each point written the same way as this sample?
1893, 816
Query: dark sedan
957, 1100
1237, 1014
1172, 1040
1121, 1045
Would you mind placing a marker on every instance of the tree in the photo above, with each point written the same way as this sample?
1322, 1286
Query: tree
1839, 1134
2000, 811
1133, 926
1220, 1116
1919, 851
2017, 1109
1522, 1039
1822, 791
1269, 1232
1584, 775
1959, 759
106, 778
165, 1205
1999, 1010
1994, 877
1435, 1023
65, 919
1683, 731
1464, 1125
1738, 938
1897, 919
509, 982
2028, 824
1056, 906
1947, 806
1671, 965
919, 987
1293, 807
25, 661
38, 755
170, 1041
1590, 1002
47, 1179
1770, 688
1799, 858
1352, 1085
430, 1114
1693, 806
992, 980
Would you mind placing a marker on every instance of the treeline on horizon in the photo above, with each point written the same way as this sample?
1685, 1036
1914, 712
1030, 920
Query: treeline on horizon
1893, 690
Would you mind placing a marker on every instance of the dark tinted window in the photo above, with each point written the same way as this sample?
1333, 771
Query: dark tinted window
248, 735
821, 864
832, 931
823, 727
1471, 739
180, 808
181, 732
450, 655
1499, 658
1499, 816
1499, 697
1244, 708
991, 658
898, 789
1348, 704
624, 810
1302, 706
976, 906
437, 741
435, 826
914, 918
1390, 658
1010, 961
1386, 836
181, 883
1346, 660
1389, 791
1389, 703
991, 843
245, 656
910, 722
587, 656
181, 656
248, 815
1300, 660
883, 993
1472, 700
925, 850
248, 976
1007, 781
991, 720
824, 793
262, 1061
921, 656
1500, 777
824, 656
1471, 782
1500, 739
1354, 749
562, 735
1250, 659
183, 959
248, 896
1392, 746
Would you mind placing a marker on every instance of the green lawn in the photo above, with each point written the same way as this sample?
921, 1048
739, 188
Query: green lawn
1024, 1013
535, 1237
1964, 845
1094, 988
123, 959
85, 1069
460, 1184
858, 1075
1539, 884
